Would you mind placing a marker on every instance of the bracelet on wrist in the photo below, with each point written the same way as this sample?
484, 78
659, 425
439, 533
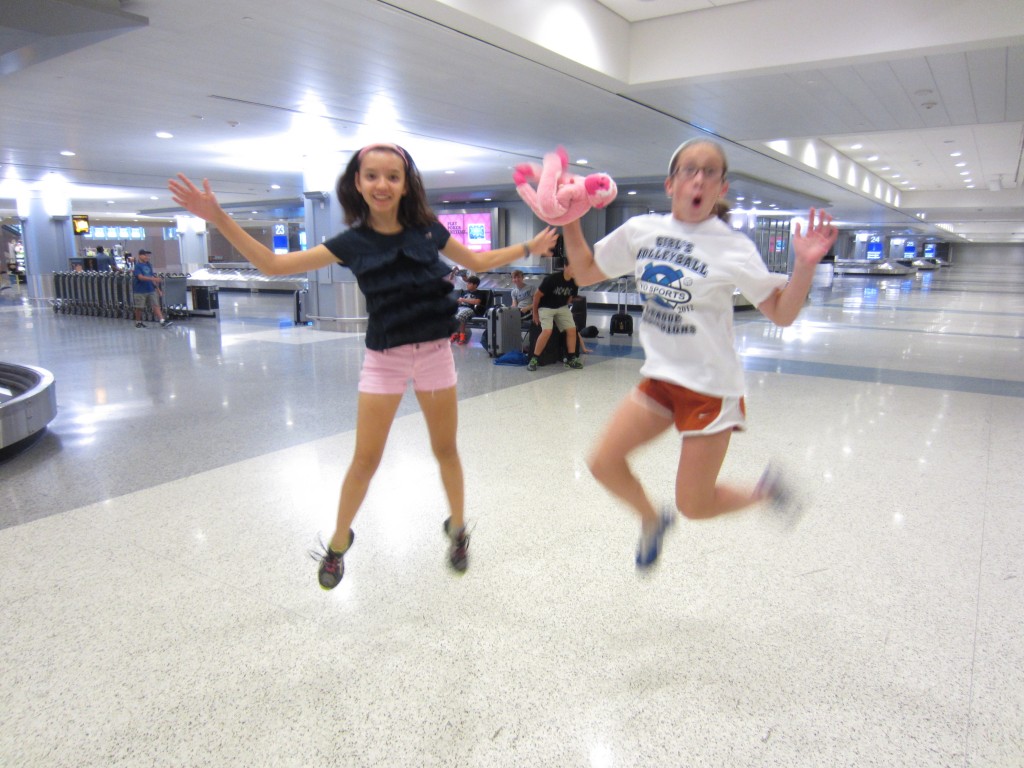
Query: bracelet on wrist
526, 251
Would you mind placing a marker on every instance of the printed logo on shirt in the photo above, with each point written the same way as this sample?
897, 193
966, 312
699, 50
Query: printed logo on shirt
674, 251
664, 279
664, 285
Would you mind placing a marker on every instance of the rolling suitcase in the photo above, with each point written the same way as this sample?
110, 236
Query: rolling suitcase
622, 321
503, 331
579, 312
300, 316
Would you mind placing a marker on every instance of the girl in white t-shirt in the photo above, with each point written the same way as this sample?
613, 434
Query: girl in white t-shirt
687, 265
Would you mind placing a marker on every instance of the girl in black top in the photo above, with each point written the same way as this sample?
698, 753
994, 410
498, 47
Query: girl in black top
392, 247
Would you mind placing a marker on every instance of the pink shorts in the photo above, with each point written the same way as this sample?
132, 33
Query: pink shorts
429, 364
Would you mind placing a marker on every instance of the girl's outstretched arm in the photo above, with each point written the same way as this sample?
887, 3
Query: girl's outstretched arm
540, 244
782, 307
203, 203
580, 256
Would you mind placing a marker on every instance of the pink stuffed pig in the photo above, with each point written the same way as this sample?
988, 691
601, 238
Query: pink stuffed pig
560, 196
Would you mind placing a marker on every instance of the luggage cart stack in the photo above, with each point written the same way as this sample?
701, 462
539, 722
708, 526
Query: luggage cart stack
110, 294
123, 296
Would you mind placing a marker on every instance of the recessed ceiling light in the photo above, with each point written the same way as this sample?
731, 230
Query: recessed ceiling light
631, 192
275, 186
582, 161
886, 168
961, 165
164, 135
856, 146
955, 154
872, 158
965, 173
153, 197
68, 153
449, 173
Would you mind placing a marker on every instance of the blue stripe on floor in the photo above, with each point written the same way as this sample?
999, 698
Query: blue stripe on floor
972, 384
949, 382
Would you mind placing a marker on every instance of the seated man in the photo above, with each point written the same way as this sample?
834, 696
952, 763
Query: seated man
522, 294
470, 306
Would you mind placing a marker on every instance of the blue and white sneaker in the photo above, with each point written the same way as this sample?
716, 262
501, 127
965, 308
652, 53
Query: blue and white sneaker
649, 546
778, 494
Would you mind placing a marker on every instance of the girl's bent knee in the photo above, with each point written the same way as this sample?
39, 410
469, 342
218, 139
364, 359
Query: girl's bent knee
364, 466
446, 454
604, 467
693, 511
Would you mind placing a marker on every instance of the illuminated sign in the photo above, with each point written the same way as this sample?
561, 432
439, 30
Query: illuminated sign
473, 230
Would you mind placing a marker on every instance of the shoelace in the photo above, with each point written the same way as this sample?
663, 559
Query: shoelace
329, 557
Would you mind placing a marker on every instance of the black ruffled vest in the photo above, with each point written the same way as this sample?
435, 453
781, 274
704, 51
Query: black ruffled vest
408, 298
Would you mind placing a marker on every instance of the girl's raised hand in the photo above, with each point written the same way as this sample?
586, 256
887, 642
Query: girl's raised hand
199, 202
821, 235
543, 243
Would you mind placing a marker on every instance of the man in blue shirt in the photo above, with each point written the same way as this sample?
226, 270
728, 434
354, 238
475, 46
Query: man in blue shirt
145, 290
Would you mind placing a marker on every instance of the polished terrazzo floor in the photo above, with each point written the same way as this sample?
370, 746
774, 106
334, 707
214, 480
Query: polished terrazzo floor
159, 606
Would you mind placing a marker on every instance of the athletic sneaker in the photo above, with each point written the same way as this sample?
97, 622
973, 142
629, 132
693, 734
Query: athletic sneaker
574, 362
140, 325
463, 339
332, 564
649, 546
532, 365
781, 500
165, 323
458, 551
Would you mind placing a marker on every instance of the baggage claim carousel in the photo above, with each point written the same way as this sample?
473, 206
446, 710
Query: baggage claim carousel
28, 402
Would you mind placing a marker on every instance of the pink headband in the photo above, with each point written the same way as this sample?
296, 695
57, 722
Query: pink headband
390, 147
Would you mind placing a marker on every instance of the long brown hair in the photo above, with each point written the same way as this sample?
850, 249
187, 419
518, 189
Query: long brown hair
413, 209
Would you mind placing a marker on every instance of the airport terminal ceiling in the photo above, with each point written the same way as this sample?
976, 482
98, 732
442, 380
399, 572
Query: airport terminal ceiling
473, 96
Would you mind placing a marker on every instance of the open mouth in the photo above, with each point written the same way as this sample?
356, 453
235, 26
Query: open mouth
697, 201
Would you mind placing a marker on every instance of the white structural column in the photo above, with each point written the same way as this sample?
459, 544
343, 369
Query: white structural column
48, 239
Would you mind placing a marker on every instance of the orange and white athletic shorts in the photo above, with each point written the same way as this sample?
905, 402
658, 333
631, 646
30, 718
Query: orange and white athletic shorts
692, 412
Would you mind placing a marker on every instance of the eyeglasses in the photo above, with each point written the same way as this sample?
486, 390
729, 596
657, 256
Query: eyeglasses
689, 171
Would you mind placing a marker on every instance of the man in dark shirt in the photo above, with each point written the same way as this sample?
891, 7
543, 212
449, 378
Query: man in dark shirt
551, 310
